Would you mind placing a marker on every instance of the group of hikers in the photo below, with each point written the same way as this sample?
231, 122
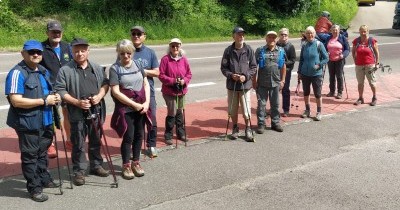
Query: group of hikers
57, 78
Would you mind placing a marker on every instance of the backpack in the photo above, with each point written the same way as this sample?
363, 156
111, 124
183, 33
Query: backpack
369, 45
282, 54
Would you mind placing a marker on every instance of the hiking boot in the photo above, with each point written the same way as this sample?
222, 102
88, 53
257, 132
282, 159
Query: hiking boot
51, 151
99, 172
52, 184
39, 197
359, 101
260, 129
339, 96
330, 94
305, 114
249, 135
169, 142
235, 132
137, 169
152, 152
373, 102
318, 116
277, 127
79, 179
285, 114
127, 172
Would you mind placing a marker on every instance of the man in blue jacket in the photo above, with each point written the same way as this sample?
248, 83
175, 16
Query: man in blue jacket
28, 90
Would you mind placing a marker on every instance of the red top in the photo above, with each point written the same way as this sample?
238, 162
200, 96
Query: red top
323, 25
364, 54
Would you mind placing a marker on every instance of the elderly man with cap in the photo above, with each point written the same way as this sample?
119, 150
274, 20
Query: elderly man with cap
239, 65
269, 81
82, 85
148, 59
56, 53
28, 90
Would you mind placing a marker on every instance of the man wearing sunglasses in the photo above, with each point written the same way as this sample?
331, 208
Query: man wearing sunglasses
56, 53
148, 59
28, 89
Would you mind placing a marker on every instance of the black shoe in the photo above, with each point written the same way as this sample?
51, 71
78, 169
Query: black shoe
169, 142
99, 172
373, 102
52, 184
260, 129
79, 179
330, 94
182, 138
39, 197
277, 128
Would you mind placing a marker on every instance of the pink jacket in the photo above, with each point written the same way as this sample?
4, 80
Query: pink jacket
170, 70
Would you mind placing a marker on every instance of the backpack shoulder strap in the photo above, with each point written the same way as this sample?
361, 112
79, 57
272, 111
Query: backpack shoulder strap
140, 66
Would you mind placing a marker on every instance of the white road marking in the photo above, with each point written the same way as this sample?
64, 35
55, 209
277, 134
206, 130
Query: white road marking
4, 107
195, 85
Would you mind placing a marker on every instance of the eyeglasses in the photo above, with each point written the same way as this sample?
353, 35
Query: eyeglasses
175, 45
33, 52
283, 34
123, 53
136, 34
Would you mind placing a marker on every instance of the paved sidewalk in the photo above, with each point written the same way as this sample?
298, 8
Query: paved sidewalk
208, 119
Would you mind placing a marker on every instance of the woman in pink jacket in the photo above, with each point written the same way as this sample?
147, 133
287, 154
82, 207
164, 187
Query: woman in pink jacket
175, 76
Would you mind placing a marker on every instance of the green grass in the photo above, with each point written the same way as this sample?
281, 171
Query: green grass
199, 27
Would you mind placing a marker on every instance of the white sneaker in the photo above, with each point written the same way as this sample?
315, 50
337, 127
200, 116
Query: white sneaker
318, 116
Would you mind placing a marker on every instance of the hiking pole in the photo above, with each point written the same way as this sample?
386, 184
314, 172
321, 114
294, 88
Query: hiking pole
184, 116
296, 94
248, 113
345, 86
104, 147
58, 119
58, 158
230, 109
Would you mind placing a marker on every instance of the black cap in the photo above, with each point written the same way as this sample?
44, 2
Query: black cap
79, 41
238, 29
54, 25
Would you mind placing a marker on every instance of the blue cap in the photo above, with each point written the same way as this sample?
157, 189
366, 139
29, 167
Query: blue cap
33, 45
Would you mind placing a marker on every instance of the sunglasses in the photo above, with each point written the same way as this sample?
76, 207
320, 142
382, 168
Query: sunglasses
136, 34
33, 52
175, 45
283, 34
123, 53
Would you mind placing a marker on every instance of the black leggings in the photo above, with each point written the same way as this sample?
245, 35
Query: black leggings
133, 137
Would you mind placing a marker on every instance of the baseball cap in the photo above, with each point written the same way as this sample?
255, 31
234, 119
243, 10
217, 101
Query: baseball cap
54, 25
238, 29
139, 28
272, 33
33, 45
79, 41
175, 40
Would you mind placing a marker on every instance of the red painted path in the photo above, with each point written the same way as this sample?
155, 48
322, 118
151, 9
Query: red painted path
208, 119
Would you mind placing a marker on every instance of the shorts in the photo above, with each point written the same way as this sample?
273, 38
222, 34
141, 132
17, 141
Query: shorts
366, 71
316, 83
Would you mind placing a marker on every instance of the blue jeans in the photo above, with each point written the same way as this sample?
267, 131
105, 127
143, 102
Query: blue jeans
152, 131
263, 94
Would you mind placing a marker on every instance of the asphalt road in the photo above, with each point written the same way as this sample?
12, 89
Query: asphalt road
346, 161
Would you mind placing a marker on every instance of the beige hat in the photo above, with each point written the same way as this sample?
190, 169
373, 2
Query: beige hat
175, 40
272, 33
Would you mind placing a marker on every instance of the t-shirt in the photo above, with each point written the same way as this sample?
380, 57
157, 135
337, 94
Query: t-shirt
364, 54
335, 49
131, 77
148, 59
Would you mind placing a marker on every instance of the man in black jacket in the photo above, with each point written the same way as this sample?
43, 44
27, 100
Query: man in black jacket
56, 53
290, 59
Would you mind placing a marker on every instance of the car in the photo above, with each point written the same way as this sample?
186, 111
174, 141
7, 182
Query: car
372, 2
